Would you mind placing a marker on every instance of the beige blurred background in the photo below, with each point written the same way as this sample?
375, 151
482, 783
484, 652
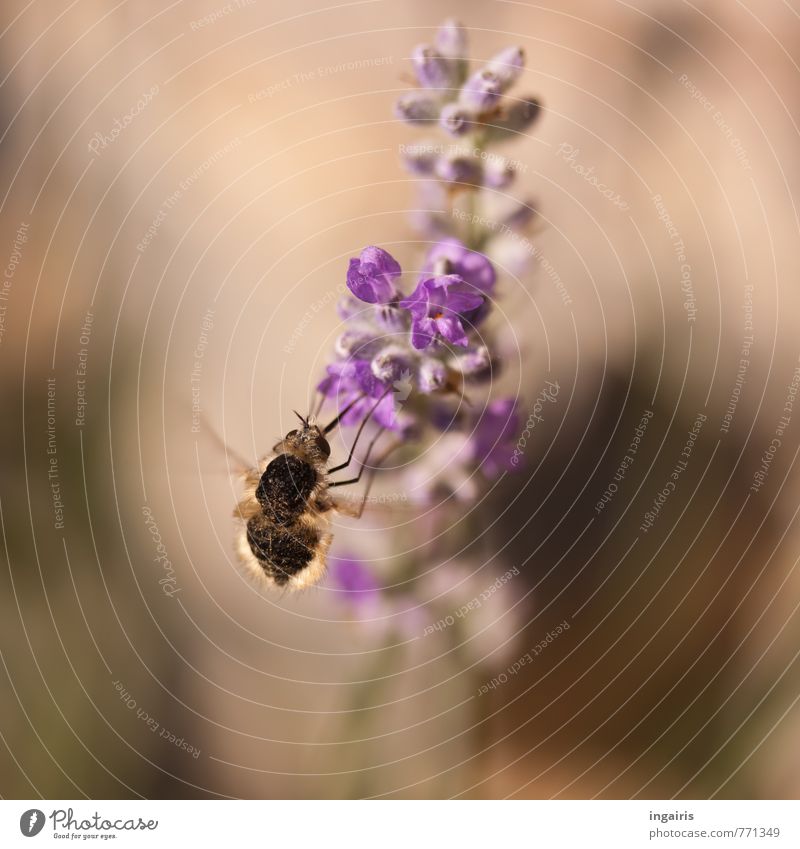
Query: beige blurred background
259, 162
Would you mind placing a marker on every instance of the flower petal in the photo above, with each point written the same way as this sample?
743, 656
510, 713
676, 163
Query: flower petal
371, 276
451, 329
423, 332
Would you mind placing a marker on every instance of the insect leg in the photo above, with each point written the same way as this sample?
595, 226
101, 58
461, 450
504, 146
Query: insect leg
371, 478
331, 425
242, 464
358, 434
318, 406
364, 462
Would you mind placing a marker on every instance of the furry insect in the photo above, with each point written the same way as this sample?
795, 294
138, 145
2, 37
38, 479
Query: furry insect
285, 514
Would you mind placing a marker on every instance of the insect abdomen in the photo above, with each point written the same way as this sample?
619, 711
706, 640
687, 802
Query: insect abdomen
282, 552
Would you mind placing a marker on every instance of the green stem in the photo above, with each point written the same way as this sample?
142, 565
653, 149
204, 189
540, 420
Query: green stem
472, 238
356, 723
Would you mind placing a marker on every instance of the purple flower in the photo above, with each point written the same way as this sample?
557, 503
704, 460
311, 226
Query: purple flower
371, 277
421, 158
352, 579
436, 307
432, 376
482, 90
432, 69
457, 119
345, 381
450, 256
474, 364
357, 342
495, 435
451, 39
390, 320
391, 363
507, 65
348, 380
498, 174
460, 168
417, 107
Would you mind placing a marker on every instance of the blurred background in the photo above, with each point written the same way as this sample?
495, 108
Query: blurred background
182, 186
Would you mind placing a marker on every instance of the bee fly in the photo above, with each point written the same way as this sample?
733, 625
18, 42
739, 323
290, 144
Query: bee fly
285, 514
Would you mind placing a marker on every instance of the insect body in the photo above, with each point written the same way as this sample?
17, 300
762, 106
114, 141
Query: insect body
285, 514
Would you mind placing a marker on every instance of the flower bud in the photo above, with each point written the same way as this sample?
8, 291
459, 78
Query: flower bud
354, 342
371, 276
432, 69
507, 65
450, 256
497, 173
451, 39
481, 91
417, 107
432, 375
475, 364
390, 363
518, 117
421, 158
388, 317
347, 306
457, 119
460, 168
521, 216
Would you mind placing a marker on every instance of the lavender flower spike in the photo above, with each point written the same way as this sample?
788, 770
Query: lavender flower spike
422, 365
371, 276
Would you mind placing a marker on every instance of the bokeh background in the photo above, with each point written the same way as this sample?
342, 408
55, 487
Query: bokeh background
259, 152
